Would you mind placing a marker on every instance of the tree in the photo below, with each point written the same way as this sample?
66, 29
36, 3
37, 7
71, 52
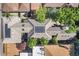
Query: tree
54, 40
68, 15
52, 13
72, 29
43, 41
40, 14
31, 42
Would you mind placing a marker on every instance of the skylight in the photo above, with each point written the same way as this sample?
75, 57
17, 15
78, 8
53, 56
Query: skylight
39, 29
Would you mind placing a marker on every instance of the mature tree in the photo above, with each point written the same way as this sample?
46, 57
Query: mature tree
31, 42
52, 13
43, 41
68, 15
40, 14
72, 29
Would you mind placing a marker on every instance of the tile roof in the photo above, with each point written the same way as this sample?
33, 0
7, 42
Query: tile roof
14, 7
11, 49
56, 50
10, 7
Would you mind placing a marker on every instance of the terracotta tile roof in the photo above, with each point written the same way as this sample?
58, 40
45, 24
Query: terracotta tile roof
55, 50
10, 7
24, 7
11, 49
35, 6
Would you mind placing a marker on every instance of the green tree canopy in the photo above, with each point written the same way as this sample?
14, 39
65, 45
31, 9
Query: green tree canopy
41, 13
68, 15
43, 41
52, 13
31, 42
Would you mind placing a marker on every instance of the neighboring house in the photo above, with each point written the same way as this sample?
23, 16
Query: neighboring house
19, 7
56, 50
50, 50
54, 5
10, 50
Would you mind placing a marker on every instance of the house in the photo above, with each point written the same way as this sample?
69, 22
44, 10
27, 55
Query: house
19, 7
55, 50
16, 7
10, 50
15, 29
50, 50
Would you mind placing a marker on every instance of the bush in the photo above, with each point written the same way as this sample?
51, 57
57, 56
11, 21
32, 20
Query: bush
6, 14
54, 40
40, 14
31, 42
43, 41
38, 41
52, 14
72, 29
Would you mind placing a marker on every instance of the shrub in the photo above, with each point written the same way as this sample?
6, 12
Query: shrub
54, 40
6, 14
52, 14
43, 41
40, 14
72, 29
31, 42
38, 41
